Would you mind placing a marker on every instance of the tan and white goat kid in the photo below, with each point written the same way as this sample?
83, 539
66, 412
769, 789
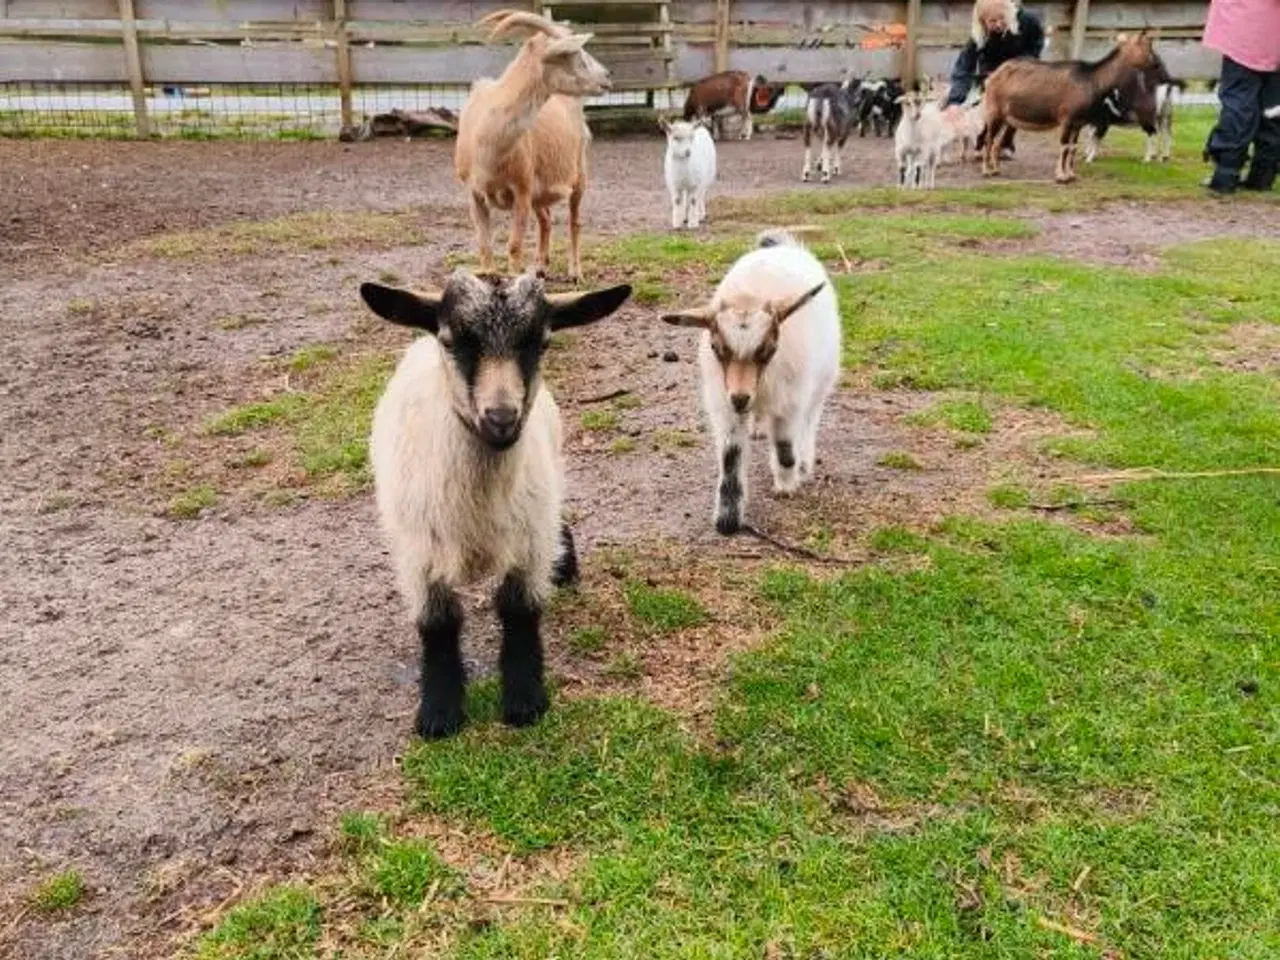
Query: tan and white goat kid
522, 139
469, 475
770, 355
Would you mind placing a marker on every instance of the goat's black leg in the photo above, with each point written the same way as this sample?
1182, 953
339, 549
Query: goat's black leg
524, 695
565, 571
731, 493
442, 685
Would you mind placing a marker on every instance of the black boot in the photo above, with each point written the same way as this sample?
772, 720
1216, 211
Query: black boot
1262, 175
1224, 182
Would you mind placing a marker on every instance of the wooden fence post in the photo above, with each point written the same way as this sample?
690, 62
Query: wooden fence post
911, 52
344, 61
1079, 22
722, 35
133, 66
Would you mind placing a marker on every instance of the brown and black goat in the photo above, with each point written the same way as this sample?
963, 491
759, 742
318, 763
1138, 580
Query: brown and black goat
1033, 95
731, 91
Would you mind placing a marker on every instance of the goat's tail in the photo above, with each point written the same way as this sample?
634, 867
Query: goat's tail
811, 113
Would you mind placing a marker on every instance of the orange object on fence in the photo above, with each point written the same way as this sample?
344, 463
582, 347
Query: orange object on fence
883, 37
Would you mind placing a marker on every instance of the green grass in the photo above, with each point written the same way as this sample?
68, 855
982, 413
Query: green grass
990, 732
327, 425
309, 231
282, 924
188, 504
599, 420
305, 358
405, 871
58, 893
899, 460
587, 640
966, 416
251, 416
664, 610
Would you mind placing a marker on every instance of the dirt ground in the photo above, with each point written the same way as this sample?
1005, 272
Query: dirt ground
188, 705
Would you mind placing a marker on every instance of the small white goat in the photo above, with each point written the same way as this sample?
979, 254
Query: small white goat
918, 140
690, 169
963, 124
522, 139
469, 476
770, 354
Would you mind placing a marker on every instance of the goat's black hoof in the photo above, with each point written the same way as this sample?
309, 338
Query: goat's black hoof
435, 722
524, 707
727, 524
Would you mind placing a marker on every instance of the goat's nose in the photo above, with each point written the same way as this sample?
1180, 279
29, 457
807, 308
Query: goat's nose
503, 417
740, 401
501, 422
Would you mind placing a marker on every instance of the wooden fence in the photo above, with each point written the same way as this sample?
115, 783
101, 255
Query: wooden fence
346, 44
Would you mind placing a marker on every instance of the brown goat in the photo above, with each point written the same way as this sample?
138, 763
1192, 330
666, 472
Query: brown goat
522, 139
732, 91
1033, 95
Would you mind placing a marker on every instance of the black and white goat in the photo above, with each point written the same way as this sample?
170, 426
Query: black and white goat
878, 107
1145, 100
469, 475
830, 111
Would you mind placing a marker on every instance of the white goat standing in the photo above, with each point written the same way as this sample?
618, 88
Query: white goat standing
770, 353
469, 475
690, 169
918, 141
522, 139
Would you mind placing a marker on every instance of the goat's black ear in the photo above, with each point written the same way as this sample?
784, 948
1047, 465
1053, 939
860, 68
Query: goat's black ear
403, 307
783, 310
579, 309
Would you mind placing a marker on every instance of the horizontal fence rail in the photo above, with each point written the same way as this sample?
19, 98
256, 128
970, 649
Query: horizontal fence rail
312, 67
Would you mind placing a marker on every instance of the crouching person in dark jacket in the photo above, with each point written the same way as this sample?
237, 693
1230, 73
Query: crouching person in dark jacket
1001, 31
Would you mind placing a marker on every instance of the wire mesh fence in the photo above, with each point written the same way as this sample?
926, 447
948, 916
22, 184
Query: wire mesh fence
283, 111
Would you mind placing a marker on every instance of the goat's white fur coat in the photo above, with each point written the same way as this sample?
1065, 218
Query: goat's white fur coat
454, 511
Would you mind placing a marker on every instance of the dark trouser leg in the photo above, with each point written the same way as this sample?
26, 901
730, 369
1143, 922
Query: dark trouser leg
442, 685
524, 696
1266, 143
1239, 91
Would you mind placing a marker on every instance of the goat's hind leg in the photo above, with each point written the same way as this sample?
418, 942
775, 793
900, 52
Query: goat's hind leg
564, 572
575, 233
524, 693
994, 133
782, 456
544, 240
520, 212
484, 231
442, 685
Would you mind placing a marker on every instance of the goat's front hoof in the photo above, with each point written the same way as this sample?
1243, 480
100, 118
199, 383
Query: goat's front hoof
1064, 178
805, 176
435, 721
826, 176
728, 522
541, 272
524, 707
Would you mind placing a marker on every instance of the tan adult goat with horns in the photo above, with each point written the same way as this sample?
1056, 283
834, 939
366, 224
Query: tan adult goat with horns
522, 139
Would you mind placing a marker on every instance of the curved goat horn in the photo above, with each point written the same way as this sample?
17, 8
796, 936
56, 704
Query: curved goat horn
504, 21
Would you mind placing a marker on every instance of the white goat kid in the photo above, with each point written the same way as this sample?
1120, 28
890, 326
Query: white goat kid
469, 474
770, 354
918, 141
690, 169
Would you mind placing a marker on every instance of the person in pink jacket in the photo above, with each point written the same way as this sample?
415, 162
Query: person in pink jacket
1247, 34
